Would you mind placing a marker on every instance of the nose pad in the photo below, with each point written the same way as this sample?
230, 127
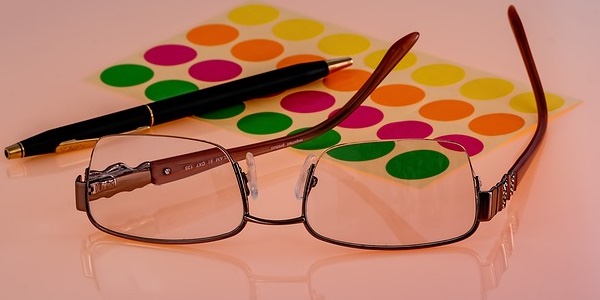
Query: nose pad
252, 180
303, 177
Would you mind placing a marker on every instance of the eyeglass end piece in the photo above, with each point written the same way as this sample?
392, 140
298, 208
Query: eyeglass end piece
14, 151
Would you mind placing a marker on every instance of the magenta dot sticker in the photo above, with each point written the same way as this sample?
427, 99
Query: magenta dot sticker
362, 117
215, 70
472, 145
307, 101
170, 55
405, 130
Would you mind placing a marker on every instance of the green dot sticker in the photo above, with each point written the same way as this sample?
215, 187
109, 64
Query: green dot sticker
323, 141
264, 123
169, 88
224, 113
417, 164
126, 75
362, 151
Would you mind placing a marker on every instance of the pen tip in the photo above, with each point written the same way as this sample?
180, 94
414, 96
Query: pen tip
14, 151
338, 63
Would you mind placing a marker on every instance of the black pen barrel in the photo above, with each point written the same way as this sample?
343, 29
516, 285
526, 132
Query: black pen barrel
113, 123
83, 134
234, 92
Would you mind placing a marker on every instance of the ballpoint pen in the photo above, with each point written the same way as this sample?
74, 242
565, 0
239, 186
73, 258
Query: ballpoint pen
84, 134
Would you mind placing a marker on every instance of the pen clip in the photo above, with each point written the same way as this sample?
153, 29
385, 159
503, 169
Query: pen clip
72, 145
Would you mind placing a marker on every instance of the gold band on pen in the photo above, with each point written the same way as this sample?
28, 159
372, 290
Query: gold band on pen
151, 115
14, 151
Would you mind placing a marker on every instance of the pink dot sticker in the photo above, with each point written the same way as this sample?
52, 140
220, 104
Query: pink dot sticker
362, 117
215, 70
307, 101
405, 130
472, 145
170, 55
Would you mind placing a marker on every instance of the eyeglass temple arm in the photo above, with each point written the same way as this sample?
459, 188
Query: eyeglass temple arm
174, 168
392, 57
494, 200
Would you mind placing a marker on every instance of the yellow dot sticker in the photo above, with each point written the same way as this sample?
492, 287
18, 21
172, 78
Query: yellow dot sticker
298, 29
373, 59
344, 44
254, 14
486, 88
438, 74
525, 102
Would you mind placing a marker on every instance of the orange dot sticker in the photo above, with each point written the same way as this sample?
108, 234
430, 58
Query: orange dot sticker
446, 110
212, 34
257, 50
397, 95
346, 80
496, 124
298, 59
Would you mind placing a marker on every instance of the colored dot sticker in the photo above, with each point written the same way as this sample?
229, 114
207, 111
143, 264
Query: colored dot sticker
373, 59
344, 44
298, 29
169, 88
346, 80
397, 95
257, 50
496, 124
264, 123
323, 141
362, 151
215, 70
405, 130
254, 14
525, 102
224, 113
126, 75
307, 101
417, 164
486, 88
438, 74
170, 55
471, 145
362, 117
212, 34
298, 59
446, 110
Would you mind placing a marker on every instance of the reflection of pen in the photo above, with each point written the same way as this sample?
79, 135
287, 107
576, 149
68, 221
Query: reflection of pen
85, 134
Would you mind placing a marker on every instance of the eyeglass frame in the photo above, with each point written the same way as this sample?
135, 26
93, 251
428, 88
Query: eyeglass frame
488, 202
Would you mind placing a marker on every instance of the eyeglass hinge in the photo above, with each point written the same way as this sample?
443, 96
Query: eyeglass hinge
80, 192
494, 200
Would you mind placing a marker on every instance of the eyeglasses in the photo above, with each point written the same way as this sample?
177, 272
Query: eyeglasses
383, 194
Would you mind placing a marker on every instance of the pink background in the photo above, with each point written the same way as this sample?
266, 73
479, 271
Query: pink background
545, 246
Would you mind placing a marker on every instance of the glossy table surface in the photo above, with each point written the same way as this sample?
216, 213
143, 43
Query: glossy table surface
544, 246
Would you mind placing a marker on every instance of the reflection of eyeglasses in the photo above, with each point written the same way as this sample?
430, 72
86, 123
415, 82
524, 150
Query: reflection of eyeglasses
376, 194
114, 265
